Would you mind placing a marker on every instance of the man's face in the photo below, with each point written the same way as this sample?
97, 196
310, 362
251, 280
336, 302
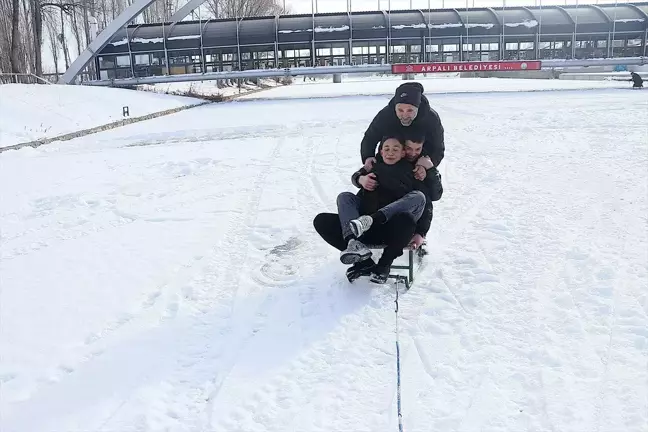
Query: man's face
406, 113
412, 150
392, 151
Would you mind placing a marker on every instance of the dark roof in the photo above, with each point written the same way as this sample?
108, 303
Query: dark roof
407, 24
479, 21
369, 25
627, 17
520, 20
444, 22
185, 36
295, 28
299, 30
642, 7
332, 27
586, 15
217, 33
591, 18
552, 16
253, 31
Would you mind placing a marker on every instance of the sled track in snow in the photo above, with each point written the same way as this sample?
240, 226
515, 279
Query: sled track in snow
236, 243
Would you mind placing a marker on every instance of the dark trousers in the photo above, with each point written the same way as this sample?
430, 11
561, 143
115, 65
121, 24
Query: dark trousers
396, 234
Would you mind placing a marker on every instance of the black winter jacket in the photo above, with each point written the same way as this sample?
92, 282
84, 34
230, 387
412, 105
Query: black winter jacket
636, 79
396, 181
387, 124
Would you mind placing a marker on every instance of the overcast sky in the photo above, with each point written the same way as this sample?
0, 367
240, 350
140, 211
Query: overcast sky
304, 6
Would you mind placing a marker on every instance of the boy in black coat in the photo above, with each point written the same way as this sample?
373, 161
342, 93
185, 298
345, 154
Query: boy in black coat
423, 170
397, 192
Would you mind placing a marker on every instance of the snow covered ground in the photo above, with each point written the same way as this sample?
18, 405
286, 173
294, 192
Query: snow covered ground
29, 112
165, 276
386, 86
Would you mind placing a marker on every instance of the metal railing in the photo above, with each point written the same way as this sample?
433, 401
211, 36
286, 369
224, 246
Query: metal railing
331, 70
16, 78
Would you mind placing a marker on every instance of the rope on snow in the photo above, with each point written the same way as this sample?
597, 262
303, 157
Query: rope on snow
398, 377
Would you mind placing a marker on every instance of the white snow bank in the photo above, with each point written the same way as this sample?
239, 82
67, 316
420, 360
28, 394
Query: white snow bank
331, 29
377, 87
445, 25
318, 29
525, 23
29, 112
627, 20
412, 26
124, 41
484, 25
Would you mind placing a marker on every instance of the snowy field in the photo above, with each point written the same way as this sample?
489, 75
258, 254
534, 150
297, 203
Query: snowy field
29, 112
165, 276
432, 84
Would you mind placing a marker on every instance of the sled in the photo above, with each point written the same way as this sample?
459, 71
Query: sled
414, 263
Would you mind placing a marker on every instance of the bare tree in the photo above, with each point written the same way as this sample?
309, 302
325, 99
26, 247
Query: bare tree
76, 30
52, 25
245, 8
37, 35
63, 40
15, 36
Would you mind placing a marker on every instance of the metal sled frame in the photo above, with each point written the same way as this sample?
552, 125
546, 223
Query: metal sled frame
412, 257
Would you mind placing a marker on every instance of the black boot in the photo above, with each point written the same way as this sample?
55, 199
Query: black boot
380, 272
361, 268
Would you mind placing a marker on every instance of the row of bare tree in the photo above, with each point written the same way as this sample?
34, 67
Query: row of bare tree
65, 27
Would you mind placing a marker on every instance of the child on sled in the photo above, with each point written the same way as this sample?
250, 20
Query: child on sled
398, 195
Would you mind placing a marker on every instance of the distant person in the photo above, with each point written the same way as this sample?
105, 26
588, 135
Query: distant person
409, 107
636, 79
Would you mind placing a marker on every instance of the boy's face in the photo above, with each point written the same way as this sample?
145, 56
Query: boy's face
412, 150
392, 151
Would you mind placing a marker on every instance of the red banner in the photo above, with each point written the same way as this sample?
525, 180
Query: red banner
467, 67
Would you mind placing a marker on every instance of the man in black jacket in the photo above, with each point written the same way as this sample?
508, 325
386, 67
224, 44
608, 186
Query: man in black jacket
408, 108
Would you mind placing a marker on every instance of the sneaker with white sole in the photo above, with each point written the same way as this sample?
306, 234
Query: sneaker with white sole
355, 251
361, 225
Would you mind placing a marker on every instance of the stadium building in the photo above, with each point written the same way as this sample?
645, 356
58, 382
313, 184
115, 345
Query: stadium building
381, 37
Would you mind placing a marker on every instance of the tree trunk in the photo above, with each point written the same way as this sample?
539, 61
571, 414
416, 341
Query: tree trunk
15, 36
51, 29
38, 37
86, 24
66, 55
104, 13
27, 55
75, 31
